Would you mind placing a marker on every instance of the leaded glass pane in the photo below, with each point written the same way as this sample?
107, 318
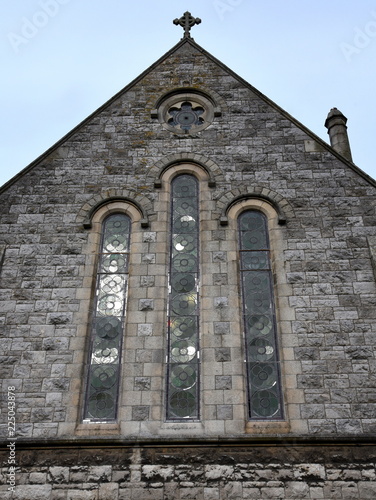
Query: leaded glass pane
254, 260
264, 388
108, 320
183, 346
114, 263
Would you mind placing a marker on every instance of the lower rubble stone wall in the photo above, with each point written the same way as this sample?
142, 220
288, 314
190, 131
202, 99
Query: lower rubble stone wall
192, 473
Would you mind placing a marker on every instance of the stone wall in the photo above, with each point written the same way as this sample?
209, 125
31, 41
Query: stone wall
322, 217
287, 472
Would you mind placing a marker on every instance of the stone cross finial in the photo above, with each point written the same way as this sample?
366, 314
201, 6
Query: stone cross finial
186, 22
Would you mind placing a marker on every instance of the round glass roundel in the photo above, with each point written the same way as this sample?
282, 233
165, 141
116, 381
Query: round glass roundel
184, 263
116, 243
182, 282
183, 376
185, 187
184, 206
112, 283
183, 327
105, 351
103, 376
264, 403
260, 350
184, 243
183, 351
255, 260
184, 304
110, 305
185, 224
101, 405
263, 375
183, 404
260, 324
114, 263
108, 328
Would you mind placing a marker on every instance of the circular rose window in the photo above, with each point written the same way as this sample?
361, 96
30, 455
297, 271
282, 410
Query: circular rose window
185, 113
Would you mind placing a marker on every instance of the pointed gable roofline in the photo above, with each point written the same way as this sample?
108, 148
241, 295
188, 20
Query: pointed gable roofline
125, 89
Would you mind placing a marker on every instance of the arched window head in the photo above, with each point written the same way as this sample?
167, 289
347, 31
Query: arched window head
108, 320
183, 335
262, 359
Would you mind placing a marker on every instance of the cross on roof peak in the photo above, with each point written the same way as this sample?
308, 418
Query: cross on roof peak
186, 22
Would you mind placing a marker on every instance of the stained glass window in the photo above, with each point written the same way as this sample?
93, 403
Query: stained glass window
262, 361
108, 320
186, 116
183, 338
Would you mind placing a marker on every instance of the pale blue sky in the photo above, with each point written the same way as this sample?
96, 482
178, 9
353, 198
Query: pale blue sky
62, 59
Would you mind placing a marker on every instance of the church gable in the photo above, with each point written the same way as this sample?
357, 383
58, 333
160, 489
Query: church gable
192, 270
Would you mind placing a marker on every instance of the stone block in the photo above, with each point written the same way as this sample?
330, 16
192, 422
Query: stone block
108, 491
224, 412
37, 478
221, 328
148, 258
144, 329
146, 304
99, 474
222, 354
223, 382
219, 256
297, 489
80, 494
147, 281
220, 279
142, 383
140, 413
34, 492
149, 237
273, 492
220, 302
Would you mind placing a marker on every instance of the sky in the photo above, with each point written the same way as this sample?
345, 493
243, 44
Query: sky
62, 59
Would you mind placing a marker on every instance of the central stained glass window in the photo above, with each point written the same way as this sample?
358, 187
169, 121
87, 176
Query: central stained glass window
108, 321
186, 116
262, 361
183, 338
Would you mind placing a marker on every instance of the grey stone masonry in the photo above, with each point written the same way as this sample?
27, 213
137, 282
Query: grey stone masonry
321, 212
278, 473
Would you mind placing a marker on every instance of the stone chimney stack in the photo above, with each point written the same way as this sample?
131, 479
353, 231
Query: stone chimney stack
337, 130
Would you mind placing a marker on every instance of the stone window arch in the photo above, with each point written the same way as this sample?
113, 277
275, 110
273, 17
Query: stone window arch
110, 244
278, 420
259, 322
183, 362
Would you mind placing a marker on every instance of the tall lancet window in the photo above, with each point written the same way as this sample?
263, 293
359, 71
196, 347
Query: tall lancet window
262, 361
108, 320
183, 337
